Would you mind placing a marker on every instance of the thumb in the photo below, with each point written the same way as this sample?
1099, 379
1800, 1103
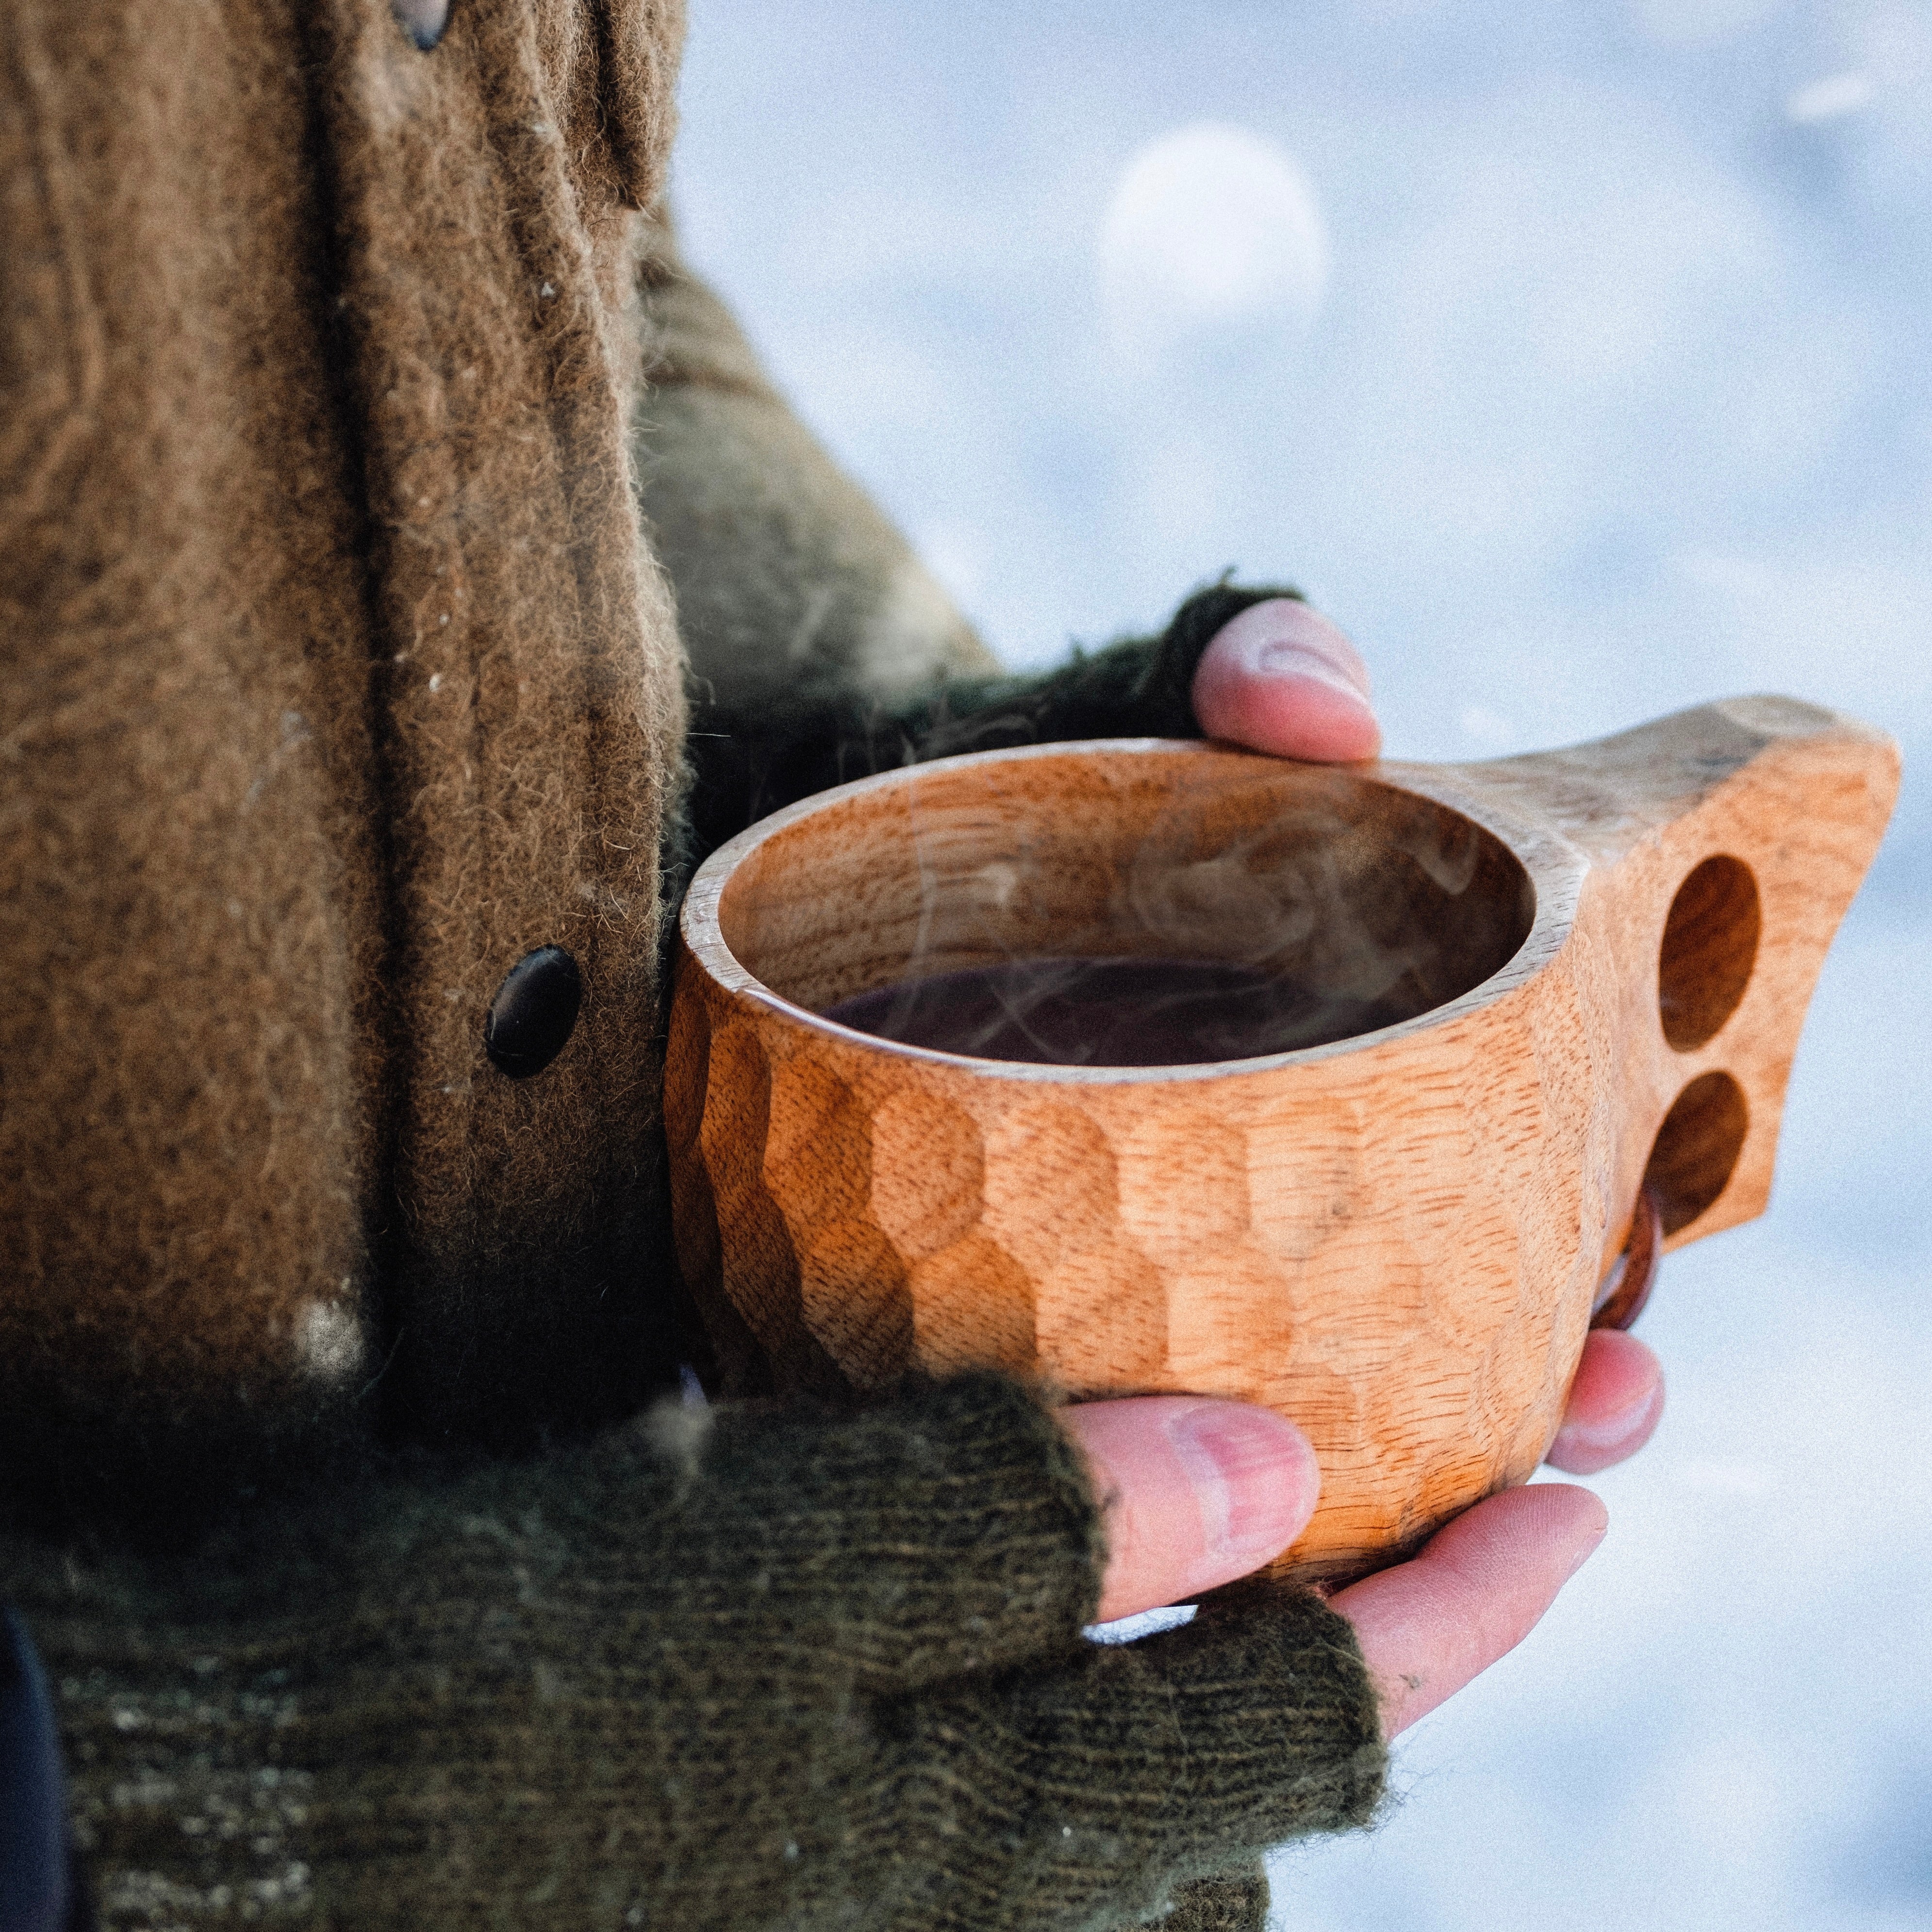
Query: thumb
1281, 678
1194, 1493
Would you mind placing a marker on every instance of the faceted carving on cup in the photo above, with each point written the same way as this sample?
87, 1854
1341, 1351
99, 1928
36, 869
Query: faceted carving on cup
1477, 1012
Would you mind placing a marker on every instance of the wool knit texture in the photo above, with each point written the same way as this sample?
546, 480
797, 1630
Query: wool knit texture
337, 677
1235, 1903
749, 757
716, 1670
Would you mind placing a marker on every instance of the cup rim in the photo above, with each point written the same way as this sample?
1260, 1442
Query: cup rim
1554, 867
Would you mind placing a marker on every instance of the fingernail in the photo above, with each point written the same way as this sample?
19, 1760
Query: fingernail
1254, 1478
1588, 1550
1613, 1431
1281, 658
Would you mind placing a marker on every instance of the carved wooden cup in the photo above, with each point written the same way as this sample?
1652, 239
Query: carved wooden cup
1594, 963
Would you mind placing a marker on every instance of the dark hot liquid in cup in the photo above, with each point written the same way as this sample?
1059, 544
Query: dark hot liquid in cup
1112, 1012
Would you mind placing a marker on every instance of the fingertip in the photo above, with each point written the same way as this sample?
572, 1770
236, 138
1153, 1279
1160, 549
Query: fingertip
1521, 1531
1281, 679
1288, 714
1195, 1492
1477, 1588
1579, 1451
1581, 1512
1614, 1370
1256, 1481
1573, 1532
1616, 1401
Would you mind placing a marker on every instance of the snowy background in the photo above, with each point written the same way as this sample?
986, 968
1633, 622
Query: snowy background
1578, 360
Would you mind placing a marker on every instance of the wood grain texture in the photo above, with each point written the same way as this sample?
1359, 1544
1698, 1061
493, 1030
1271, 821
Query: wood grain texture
1395, 1240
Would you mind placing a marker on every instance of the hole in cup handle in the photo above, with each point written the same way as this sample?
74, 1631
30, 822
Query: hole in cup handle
1626, 1287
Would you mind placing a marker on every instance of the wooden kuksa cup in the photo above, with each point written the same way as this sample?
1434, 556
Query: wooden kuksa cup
1604, 955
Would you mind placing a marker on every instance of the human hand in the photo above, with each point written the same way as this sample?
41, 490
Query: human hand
1199, 1492
1281, 678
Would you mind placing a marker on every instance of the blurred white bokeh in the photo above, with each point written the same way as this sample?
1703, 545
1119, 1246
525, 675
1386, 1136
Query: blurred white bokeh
1210, 228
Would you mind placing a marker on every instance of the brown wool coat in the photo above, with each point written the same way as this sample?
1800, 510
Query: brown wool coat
337, 679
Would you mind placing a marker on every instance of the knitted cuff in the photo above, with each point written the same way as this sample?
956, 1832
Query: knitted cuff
748, 761
952, 1530
1137, 687
1237, 1904
1139, 1766
599, 1677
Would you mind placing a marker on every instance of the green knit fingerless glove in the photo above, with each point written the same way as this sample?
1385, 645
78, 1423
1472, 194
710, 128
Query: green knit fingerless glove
719, 1670
1238, 1903
749, 760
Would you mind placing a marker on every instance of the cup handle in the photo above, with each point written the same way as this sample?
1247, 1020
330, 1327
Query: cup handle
1626, 1289
1724, 845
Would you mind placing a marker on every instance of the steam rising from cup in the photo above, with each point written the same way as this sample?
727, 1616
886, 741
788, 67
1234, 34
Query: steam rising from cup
1204, 947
